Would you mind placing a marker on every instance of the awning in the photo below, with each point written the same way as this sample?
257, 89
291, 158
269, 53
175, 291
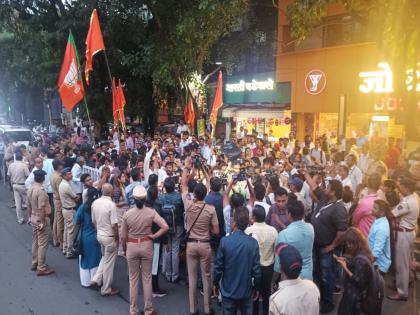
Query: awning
265, 111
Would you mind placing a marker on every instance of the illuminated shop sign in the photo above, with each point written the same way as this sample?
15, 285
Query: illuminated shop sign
377, 81
254, 85
315, 82
381, 81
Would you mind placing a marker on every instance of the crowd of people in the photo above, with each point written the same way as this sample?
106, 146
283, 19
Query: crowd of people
264, 227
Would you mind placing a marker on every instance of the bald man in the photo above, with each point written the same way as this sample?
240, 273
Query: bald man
105, 220
39, 164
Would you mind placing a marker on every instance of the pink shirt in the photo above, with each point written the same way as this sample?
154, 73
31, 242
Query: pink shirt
362, 215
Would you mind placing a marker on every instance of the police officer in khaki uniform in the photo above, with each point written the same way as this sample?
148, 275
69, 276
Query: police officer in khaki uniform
39, 212
18, 172
201, 221
137, 241
8, 153
58, 224
407, 213
68, 203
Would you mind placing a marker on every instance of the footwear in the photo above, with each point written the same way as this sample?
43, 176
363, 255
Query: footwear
34, 267
71, 256
21, 221
94, 285
113, 292
397, 297
159, 293
196, 313
210, 313
45, 272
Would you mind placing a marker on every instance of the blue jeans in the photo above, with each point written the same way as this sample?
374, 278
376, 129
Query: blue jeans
325, 274
171, 255
231, 307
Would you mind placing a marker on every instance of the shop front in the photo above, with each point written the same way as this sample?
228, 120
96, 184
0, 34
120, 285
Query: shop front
258, 104
346, 90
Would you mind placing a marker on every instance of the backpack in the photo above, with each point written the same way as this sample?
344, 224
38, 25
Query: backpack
168, 213
374, 294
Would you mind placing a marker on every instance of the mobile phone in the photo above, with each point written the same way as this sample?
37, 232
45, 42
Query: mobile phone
335, 256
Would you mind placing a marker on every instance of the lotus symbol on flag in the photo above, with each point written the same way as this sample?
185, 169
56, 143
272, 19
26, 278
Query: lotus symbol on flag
72, 77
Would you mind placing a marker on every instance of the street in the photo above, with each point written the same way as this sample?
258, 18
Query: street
22, 292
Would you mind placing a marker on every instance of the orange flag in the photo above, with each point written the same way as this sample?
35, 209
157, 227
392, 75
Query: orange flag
217, 102
189, 114
94, 43
121, 103
115, 105
70, 85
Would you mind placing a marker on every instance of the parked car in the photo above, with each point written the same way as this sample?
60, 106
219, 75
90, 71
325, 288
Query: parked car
18, 134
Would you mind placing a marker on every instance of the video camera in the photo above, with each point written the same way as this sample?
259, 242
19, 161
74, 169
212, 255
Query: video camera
316, 170
241, 176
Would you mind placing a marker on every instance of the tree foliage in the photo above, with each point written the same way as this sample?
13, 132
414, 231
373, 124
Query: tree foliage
155, 46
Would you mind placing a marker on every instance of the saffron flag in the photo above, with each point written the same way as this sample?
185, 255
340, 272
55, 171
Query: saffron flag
217, 102
121, 103
115, 105
94, 43
189, 114
70, 84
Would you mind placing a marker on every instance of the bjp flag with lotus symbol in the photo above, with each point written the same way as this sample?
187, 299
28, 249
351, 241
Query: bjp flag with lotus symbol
70, 84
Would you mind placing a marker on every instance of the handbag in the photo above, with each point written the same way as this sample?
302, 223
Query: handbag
187, 233
78, 242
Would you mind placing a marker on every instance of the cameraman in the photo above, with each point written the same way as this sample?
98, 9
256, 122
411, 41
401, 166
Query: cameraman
330, 224
236, 200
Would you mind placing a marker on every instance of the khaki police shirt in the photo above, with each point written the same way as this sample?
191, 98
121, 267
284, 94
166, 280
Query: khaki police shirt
137, 223
38, 200
104, 214
207, 218
18, 172
8, 153
408, 211
55, 184
67, 195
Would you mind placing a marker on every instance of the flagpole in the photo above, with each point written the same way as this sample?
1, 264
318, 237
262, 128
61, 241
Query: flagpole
110, 80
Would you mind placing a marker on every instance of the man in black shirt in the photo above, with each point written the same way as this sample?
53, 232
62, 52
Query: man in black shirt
330, 223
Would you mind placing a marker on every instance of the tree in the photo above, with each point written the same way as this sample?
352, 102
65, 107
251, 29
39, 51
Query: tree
156, 46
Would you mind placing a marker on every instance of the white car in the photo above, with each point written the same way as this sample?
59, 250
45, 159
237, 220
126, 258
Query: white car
19, 135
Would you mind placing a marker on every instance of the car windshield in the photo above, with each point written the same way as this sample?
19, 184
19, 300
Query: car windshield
21, 135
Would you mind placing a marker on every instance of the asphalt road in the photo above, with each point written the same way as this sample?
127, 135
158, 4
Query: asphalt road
22, 292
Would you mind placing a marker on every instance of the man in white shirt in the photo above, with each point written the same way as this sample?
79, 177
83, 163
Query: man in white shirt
294, 295
39, 164
317, 154
185, 141
259, 191
205, 150
105, 220
77, 171
355, 174
343, 177
181, 127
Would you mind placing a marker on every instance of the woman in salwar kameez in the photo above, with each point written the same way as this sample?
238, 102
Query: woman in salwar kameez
91, 255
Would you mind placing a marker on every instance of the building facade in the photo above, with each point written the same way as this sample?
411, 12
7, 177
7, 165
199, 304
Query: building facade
341, 83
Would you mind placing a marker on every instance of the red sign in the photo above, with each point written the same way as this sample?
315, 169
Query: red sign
315, 82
